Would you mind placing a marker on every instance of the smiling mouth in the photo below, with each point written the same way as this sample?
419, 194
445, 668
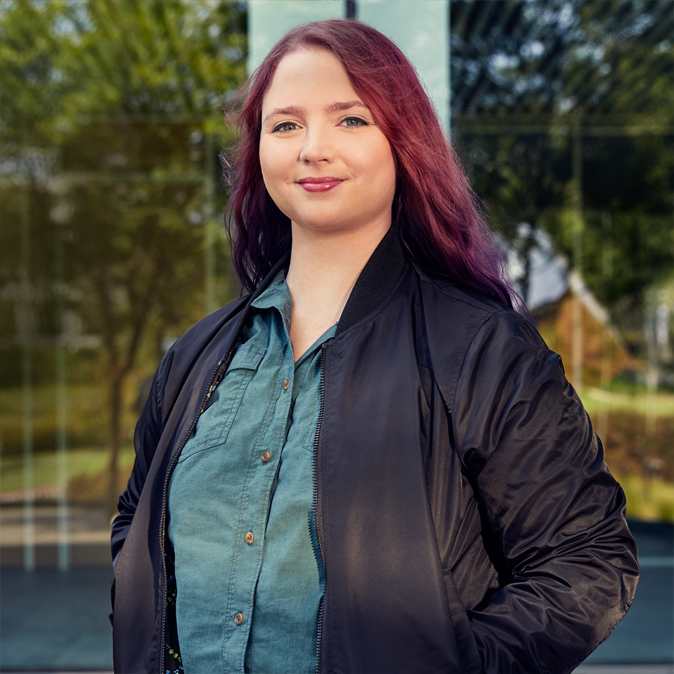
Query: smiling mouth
319, 184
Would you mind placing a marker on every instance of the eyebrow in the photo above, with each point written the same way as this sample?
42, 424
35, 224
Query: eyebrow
337, 106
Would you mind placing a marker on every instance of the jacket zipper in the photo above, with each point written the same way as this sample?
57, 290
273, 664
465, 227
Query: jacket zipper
317, 518
216, 378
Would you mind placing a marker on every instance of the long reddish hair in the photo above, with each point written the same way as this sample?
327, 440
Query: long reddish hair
437, 214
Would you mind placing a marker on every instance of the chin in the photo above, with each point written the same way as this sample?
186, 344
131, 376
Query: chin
320, 224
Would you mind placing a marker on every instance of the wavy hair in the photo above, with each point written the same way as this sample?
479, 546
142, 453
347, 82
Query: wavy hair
438, 216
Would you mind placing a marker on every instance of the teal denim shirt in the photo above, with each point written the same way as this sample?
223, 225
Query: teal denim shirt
248, 585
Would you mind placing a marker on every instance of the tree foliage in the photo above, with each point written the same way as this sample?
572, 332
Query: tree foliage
125, 96
544, 72
63, 61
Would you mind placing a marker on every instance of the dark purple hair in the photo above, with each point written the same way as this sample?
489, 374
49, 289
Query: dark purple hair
437, 214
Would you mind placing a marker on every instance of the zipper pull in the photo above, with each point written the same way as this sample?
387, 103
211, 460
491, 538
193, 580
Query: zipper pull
219, 375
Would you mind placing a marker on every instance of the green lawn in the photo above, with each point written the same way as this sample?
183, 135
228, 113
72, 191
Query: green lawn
45, 469
87, 417
648, 499
659, 404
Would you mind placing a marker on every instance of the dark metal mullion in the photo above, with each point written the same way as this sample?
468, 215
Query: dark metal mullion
485, 80
544, 67
483, 17
597, 9
457, 24
661, 26
553, 64
471, 18
585, 90
578, 82
486, 12
580, 93
461, 19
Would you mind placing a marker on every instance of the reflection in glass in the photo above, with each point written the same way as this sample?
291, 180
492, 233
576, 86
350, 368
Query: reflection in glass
111, 238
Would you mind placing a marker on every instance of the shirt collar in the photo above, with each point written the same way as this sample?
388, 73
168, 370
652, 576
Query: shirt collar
276, 296
375, 285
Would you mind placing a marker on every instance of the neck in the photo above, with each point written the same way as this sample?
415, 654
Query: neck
325, 266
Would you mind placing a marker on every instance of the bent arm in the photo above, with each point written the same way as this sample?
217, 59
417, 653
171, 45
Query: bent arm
146, 438
553, 516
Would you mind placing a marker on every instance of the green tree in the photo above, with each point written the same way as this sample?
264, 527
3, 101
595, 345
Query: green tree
522, 88
129, 93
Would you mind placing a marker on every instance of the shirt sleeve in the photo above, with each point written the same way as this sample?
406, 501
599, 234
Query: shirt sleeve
552, 514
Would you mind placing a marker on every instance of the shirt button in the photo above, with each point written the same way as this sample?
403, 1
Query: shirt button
265, 457
286, 383
249, 538
238, 618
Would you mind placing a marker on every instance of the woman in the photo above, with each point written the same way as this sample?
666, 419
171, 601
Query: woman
371, 463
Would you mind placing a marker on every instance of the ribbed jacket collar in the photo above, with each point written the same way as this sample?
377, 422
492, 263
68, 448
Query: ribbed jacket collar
374, 284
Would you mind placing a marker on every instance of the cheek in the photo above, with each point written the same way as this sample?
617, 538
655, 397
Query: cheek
372, 160
275, 172
273, 162
266, 163
385, 164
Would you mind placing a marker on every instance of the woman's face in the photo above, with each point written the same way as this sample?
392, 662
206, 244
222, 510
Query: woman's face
325, 161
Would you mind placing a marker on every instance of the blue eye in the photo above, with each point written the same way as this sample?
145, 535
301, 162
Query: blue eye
355, 122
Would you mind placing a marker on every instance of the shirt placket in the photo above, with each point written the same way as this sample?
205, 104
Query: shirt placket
255, 503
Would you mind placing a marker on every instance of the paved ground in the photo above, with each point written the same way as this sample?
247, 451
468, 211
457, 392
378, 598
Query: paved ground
88, 536
53, 620
646, 633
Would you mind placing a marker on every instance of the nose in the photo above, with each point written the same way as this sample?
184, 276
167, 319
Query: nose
317, 147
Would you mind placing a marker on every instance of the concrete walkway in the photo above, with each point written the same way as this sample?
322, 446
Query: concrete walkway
53, 620
646, 633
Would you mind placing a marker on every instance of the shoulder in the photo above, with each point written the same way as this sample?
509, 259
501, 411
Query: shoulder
204, 330
460, 314
455, 294
202, 342
465, 329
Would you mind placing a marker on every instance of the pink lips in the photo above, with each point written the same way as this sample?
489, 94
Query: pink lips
319, 184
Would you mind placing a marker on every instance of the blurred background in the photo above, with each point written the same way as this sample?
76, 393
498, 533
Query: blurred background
112, 244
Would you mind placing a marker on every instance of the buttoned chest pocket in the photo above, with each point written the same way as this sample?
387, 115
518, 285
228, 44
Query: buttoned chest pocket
223, 405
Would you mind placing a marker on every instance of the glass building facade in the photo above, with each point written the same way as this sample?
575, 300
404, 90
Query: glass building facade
112, 244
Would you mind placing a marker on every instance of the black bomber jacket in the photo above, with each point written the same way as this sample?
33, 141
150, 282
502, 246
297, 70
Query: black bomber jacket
467, 522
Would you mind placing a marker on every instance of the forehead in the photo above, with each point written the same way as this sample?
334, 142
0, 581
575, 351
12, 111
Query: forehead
307, 76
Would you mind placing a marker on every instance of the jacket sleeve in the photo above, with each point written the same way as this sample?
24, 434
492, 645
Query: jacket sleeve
552, 514
146, 437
